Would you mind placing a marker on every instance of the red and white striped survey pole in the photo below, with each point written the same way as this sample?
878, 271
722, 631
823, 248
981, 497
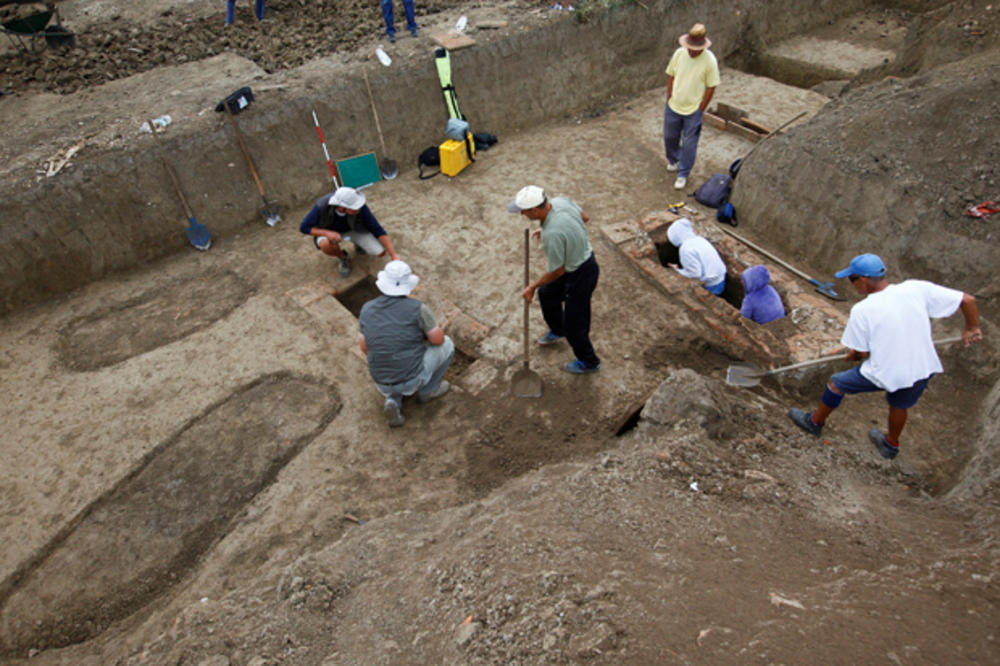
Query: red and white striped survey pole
322, 141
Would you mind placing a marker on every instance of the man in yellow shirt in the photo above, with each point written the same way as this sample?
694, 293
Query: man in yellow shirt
693, 74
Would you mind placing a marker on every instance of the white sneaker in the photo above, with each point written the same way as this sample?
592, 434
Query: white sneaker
680, 183
671, 166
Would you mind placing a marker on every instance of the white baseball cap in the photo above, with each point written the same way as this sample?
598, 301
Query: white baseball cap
531, 196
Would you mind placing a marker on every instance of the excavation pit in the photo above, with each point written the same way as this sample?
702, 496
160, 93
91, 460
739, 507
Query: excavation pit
355, 296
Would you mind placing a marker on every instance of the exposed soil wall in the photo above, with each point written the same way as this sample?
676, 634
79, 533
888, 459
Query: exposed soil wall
116, 209
905, 194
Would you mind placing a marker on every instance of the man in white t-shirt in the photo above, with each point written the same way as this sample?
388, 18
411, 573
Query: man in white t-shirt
891, 330
692, 76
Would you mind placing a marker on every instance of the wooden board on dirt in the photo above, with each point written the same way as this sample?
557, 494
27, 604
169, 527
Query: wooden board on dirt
452, 40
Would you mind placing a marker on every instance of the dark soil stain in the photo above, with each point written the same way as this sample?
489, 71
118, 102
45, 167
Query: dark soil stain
132, 545
149, 321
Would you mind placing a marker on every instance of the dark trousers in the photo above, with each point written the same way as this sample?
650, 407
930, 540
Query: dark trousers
566, 308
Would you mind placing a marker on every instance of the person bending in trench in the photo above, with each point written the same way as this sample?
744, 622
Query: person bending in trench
699, 258
341, 216
891, 330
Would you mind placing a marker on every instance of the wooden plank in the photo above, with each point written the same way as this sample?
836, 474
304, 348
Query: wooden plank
452, 40
757, 127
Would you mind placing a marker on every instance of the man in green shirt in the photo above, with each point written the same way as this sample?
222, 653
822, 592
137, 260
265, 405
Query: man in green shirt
565, 289
693, 74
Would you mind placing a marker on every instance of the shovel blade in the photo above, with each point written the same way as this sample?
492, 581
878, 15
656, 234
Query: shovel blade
826, 288
526, 384
389, 169
744, 374
198, 236
270, 213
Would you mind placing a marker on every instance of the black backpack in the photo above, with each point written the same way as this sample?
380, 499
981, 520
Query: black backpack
484, 140
429, 157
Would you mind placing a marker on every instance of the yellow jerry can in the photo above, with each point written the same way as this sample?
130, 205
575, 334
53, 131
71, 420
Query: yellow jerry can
454, 157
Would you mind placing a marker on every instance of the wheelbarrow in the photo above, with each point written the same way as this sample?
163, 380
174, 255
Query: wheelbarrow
28, 23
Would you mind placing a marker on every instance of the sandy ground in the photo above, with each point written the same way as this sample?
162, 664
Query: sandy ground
183, 442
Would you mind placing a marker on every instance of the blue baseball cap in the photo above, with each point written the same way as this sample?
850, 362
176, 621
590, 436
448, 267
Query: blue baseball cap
864, 265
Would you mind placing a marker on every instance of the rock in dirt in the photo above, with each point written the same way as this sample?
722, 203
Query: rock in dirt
684, 396
466, 632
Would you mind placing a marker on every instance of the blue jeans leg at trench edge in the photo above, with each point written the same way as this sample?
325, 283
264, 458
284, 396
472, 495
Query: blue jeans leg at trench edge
411, 18
230, 11
437, 359
680, 139
390, 25
258, 9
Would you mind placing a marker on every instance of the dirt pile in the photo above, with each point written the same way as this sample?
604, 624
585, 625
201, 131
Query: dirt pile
117, 47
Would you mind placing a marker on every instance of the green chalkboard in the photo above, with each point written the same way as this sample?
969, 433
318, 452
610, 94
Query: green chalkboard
359, 171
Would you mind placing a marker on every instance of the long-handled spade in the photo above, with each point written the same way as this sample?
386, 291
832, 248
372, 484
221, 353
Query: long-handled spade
270, 208
387, 166
825, 288
198, 234
526, 383
747, 374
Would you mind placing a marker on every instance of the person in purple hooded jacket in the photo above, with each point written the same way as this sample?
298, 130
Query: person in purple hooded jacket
762, 302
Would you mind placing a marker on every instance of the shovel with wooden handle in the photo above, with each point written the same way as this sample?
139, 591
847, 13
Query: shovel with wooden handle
526, 383
747, 374
197, 234
270, 208
825, 288
387, 166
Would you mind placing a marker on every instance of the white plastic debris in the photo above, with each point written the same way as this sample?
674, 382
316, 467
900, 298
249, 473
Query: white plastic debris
159, 123
782, 601
461, 23
694, 486
383, 57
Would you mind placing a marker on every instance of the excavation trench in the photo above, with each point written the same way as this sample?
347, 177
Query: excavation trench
248, 337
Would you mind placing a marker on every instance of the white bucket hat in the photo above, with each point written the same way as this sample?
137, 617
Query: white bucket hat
348, 197
531, 196
396, 279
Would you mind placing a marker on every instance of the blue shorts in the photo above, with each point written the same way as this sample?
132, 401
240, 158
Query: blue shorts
852, 381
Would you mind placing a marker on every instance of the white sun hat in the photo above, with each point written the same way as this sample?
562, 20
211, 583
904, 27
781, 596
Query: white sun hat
396, 279
348, 197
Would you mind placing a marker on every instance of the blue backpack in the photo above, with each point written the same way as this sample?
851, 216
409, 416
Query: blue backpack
726, 214
715, 191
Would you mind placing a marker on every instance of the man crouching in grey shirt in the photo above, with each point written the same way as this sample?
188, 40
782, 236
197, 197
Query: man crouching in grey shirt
407, 351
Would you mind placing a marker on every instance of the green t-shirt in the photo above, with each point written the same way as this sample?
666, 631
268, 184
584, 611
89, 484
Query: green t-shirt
564, 236
692, 76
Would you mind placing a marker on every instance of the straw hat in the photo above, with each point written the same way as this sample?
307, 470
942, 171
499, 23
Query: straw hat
696, 38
